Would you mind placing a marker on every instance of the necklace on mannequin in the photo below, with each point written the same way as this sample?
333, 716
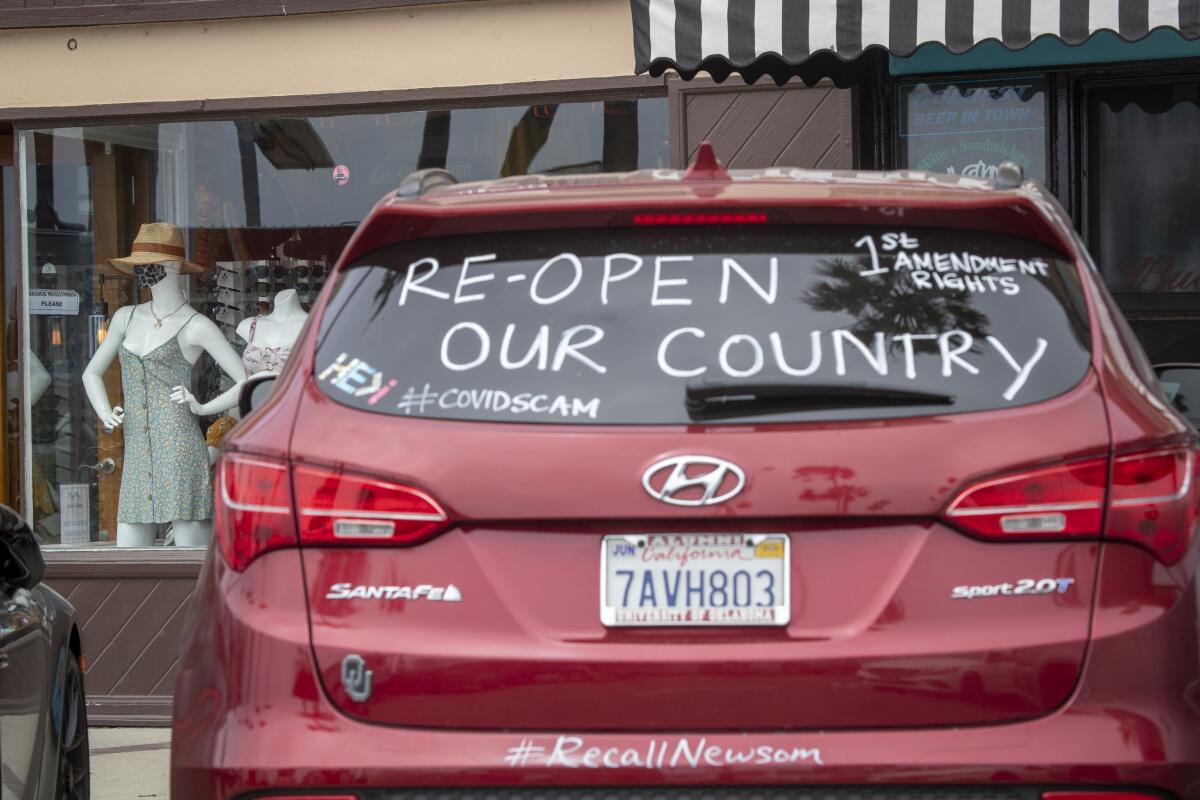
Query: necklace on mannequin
158, 321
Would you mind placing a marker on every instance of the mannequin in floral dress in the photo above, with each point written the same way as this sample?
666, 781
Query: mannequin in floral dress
165, 471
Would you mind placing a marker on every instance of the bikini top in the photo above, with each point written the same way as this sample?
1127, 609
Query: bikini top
256, 358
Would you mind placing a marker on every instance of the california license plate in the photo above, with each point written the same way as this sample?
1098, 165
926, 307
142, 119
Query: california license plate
695, 579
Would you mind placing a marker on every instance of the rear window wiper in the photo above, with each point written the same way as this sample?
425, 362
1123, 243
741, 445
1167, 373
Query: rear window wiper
714, 399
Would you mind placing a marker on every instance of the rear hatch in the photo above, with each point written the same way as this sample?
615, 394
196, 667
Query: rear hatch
695, 478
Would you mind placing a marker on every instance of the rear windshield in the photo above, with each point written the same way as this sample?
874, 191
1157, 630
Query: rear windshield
662, 325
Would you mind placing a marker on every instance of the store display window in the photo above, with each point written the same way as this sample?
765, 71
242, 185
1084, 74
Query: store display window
163, 262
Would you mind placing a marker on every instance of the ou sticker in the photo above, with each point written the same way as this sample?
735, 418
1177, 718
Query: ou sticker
341, 174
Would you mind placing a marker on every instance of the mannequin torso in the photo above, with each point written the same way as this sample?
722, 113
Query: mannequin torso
197, 334
269, 337
281, 327
153, 324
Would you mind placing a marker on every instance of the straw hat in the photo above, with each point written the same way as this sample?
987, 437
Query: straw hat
156, 242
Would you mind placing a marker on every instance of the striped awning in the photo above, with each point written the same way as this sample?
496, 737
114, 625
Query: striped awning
815, 39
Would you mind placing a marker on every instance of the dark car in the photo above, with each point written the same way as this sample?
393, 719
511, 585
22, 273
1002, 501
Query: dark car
703, 481
43, 714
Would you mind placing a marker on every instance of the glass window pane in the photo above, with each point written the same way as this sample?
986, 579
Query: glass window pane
780, 323
263, 207
1144, 182
1143, 154
970, 127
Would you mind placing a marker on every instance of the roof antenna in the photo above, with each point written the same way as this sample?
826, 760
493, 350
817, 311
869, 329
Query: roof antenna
704, 166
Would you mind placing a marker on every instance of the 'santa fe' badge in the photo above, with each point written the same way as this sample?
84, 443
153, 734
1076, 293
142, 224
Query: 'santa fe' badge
348, 591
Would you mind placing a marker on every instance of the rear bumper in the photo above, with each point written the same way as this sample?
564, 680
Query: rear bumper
1068, 750
250, 715
725, 792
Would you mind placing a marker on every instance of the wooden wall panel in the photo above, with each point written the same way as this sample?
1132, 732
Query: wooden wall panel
131, 626
143, 614
763, 126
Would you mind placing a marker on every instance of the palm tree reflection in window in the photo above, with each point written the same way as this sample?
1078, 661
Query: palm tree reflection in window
891, 304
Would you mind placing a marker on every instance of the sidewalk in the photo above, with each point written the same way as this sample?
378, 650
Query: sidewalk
130, 763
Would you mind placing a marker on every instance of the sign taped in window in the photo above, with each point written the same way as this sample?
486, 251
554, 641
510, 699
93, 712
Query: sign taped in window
971, 127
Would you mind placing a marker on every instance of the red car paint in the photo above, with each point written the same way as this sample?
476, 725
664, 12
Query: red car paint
879, 678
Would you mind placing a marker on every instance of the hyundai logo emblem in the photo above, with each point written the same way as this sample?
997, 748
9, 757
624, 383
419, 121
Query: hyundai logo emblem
712, 480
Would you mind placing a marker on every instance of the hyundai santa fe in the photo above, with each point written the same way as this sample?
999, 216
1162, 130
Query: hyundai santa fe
703, 484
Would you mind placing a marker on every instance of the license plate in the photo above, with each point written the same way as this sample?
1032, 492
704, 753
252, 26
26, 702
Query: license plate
695, 579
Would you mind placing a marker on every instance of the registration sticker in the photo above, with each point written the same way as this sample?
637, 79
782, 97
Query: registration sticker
695, 579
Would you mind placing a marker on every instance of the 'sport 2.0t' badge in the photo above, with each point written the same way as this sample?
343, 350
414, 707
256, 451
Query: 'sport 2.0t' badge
1026, 586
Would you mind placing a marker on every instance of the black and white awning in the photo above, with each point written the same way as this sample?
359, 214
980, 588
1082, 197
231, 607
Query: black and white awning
814, 39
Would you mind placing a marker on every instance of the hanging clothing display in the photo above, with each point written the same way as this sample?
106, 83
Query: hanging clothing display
165, 475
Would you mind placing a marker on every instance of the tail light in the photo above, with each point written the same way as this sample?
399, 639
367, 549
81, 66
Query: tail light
253, 508
258, 502
1154, 500
1151, 498
1065, 500
344, 508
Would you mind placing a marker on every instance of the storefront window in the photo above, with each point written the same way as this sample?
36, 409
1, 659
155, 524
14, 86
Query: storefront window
970, 127
239, 221
1143, 158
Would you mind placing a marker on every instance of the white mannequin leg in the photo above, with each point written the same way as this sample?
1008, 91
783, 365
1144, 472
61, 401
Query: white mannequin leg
192, 532
136, 534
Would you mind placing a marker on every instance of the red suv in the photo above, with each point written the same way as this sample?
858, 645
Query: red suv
689, 484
